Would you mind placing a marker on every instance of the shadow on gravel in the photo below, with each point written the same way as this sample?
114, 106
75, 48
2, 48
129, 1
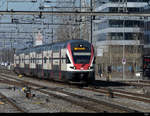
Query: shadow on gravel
101, 83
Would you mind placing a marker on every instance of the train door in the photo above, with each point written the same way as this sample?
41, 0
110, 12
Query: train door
49, 63
22, 63
39, 65
63, 64
45, 64
56, 63
27, 64
16, 63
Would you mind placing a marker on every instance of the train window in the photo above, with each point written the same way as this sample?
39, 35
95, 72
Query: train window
33, 60
67, 60
45, 59
62, 60
94, 60
55, 48
81, 59
50, 60
37, 60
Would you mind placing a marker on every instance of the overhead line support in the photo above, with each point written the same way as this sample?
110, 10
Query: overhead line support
63, 13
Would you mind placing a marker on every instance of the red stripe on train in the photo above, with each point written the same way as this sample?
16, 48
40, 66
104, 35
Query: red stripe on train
70, 52
92, 54
82, 66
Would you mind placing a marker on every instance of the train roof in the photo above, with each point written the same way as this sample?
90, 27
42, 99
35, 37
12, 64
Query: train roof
49, 46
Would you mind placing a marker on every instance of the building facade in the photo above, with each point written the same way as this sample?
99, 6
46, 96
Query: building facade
146, 47
119, 39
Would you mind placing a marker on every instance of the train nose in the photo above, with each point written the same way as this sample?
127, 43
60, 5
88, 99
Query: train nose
82, 66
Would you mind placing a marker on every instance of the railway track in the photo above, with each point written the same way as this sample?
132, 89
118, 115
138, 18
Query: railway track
108, 91
83, 101
115, 92
121, 93
140, 83
15, 105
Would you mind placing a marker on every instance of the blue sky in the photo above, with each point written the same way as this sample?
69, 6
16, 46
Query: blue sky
24, 6
19, 5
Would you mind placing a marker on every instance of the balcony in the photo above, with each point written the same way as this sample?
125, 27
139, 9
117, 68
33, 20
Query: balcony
118, 42
118, 30
129, 5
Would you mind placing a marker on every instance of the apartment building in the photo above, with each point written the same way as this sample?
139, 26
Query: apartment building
119, 39
146, 47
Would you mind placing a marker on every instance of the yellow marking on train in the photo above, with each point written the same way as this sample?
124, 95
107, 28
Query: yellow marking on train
79, 48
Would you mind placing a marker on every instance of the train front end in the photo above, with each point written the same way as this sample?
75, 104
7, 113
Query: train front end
80, 56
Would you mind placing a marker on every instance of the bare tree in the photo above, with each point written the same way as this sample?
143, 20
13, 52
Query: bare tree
74, 29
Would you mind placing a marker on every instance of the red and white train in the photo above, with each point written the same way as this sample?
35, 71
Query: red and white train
70, 61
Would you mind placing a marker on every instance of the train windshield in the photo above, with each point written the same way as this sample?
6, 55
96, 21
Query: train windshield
81, 53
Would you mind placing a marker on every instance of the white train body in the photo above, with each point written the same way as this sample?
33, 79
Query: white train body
66, 61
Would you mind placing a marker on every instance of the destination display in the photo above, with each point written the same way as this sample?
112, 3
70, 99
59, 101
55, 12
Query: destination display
79, 48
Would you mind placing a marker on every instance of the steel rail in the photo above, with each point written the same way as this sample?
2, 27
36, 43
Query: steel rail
12, 103
76, 102
141, 83
103, 104
84, 103
120, 93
